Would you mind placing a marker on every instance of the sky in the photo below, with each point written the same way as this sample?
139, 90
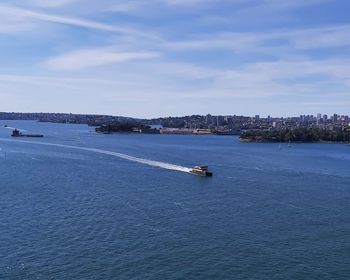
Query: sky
150, 58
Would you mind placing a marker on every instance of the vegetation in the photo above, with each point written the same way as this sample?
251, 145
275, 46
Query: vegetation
122, 127
296, 135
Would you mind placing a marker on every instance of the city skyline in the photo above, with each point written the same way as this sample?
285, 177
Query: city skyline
318, 116
158, 58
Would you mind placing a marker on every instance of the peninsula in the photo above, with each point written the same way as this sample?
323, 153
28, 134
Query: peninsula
302, 135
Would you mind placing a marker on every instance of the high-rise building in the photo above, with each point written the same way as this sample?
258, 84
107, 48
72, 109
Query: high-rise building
208, 119
219, 120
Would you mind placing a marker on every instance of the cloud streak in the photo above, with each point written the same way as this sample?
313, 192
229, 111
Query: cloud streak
22, 16
81, 59
52, 3
292, 40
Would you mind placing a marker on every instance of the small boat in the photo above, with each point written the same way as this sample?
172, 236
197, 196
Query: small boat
201, 170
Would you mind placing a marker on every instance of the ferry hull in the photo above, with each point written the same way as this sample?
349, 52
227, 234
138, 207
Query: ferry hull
202, 174
29, 135
17, 133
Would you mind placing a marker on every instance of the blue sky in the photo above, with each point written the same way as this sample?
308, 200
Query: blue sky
148, 58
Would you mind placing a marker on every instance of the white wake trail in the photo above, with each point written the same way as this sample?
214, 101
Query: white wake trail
153, 163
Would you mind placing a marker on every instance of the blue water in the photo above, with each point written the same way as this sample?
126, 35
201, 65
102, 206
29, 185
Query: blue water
268, 213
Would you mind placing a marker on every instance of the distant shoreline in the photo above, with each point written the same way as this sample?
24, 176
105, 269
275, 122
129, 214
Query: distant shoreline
298, 135
293, 142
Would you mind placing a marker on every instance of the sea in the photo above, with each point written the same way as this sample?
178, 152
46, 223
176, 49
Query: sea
81, 205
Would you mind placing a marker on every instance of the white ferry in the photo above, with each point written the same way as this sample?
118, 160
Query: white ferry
201, 170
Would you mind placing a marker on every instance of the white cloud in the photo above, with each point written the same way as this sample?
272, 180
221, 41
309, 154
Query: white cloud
81, 59
193, 86
191, 2
62, 81
234, 41
131, 6
52, 3
274, 42
240, 8
328, 103
24, 16
9, 25
127, 6
28, 14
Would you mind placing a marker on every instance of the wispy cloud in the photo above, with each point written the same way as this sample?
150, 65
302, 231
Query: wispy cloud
81, 59
35, 81
239, 7
24, 16
127, 6
61, 81
321, 104
274, 42
51, 3
158, 6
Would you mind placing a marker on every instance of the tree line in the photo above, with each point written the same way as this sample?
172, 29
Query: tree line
297, 135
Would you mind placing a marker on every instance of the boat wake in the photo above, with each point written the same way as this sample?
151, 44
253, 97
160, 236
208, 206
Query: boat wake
153, 163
